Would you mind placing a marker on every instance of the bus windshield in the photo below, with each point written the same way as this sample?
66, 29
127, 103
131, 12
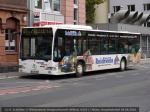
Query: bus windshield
36, 43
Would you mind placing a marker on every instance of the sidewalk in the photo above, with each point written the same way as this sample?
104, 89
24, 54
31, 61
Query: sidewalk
145, 61
17, 74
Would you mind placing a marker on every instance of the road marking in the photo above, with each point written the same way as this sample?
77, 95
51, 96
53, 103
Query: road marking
26, 89
148, 72
112, 74
135, 74
13, 92
100, 78
119, 76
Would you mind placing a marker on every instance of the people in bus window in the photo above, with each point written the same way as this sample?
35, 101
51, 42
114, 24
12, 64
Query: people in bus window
126, 48
123, 48
95, 52
67, 51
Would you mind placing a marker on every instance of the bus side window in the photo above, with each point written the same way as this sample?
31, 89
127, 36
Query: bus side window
104, 46
79, 46
58, 53
67, 51
123, 46
58, 49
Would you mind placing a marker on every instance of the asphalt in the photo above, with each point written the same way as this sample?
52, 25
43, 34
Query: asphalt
17, 74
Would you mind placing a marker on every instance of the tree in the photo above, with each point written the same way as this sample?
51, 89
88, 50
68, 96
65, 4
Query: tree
90, 9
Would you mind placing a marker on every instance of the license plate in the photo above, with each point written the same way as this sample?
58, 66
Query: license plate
34, 71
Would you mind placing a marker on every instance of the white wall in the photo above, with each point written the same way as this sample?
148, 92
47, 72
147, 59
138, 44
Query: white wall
101, 13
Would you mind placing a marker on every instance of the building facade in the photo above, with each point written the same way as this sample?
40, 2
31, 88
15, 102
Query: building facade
141, 6
47, 12
13, 16
105, 11
101, 12
126, 15
141, 23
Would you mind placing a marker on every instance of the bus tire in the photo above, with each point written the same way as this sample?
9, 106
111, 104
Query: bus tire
123, 65
79, 69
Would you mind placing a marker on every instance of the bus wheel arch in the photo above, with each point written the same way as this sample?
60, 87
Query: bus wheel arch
123, 64
80, 68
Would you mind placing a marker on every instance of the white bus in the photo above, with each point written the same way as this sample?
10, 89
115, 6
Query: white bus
67, 49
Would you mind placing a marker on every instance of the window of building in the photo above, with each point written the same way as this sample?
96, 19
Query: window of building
48, 5
52, 5
38, 4
131, 7
56, 4
146, 7
10, 41
0, 23
75, 14
76, 2
147, 24
116, 8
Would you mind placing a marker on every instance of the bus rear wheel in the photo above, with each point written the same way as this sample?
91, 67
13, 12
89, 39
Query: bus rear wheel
123, 65
79, 69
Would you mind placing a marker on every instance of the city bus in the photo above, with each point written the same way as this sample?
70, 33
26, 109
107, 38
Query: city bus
67, 49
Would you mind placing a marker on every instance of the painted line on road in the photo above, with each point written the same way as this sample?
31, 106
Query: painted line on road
112, 74
27, 82
119, 76
5, 77
135, 74
101, 78
26, 89
148, 72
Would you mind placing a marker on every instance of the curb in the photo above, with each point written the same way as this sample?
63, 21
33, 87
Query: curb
4, 77
9, 75
145, 61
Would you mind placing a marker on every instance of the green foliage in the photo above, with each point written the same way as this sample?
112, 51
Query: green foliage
90, 9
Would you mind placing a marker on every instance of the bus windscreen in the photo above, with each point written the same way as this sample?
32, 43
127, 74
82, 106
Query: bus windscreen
36, 43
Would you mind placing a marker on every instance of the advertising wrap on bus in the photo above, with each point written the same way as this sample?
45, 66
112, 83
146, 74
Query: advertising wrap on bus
66, 49
104, 60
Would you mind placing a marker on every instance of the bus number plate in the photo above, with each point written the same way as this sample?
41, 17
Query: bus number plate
34, 71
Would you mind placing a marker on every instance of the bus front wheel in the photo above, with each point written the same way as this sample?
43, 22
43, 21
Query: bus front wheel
79, 69
122, 65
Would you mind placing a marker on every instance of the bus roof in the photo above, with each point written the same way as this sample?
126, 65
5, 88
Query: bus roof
81, 27
126, 32
66, 26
